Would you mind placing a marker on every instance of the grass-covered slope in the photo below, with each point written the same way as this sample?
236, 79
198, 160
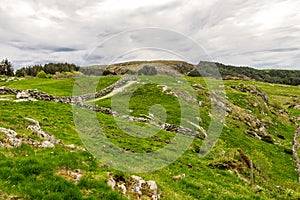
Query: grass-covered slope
35, 173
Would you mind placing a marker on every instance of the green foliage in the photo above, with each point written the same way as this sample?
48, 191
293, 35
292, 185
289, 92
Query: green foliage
41, 74
6, 68
20, 73
31, 173
289, 77
50, 68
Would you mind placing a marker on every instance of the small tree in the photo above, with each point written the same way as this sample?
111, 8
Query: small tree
6, 68
20, 73
41, 74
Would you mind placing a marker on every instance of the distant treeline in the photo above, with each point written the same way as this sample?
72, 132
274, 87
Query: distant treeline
289, 77
50, 68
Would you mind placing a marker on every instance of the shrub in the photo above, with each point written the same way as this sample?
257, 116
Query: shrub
41, 74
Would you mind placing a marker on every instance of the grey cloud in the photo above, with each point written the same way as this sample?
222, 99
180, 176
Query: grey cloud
227, 30
283, 49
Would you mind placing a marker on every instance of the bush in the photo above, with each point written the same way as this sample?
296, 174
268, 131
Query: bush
20, 73
194, 73
41, 74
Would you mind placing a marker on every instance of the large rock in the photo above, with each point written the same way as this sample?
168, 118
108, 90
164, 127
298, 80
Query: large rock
297, 107
22, 95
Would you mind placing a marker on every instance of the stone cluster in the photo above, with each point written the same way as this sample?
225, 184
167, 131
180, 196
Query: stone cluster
136, 186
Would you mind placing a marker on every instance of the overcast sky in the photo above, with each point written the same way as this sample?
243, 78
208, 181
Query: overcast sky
257, 33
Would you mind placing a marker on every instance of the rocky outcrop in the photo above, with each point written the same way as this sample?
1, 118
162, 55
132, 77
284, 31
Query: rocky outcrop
253, 90
49, 139
13, 139
134, 186
10, 139
295, 151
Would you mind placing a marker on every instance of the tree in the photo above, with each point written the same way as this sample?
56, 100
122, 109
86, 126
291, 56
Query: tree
20, 73
6, 68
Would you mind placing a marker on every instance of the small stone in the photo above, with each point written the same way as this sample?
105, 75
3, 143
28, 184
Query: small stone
111, 182
47, 144
178, 177
123, 188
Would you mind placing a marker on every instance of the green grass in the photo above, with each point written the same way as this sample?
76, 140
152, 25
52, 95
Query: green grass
59, 87
30, 173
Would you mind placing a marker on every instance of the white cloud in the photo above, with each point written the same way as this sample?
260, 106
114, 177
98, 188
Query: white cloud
261, 33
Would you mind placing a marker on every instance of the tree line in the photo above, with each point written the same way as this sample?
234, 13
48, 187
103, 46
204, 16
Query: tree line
288, 77
50, 68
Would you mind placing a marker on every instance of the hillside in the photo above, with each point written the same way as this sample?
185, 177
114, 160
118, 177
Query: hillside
288, 77
44, 157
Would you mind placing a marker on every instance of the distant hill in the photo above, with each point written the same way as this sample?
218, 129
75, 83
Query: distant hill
289, 77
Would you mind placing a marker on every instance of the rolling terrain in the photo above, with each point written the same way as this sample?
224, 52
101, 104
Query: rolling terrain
252, 159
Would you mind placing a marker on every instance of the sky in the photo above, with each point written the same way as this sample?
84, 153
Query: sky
259, 33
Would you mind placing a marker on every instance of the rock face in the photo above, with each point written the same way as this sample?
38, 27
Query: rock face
253, 90
136, 186
11, 138
49, 139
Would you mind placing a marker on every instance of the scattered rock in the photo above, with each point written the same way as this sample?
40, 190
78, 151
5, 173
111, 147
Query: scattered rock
198, 86
37, 128
122, 187
71, 175
10, 139
178, 177
253, 90
47, 144
295, 151
22, 95
137, 186
111, 182
297, 107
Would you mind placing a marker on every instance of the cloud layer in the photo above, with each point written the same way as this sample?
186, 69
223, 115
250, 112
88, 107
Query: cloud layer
262, 34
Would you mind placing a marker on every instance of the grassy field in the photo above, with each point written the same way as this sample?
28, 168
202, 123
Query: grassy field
31, 173
58, 87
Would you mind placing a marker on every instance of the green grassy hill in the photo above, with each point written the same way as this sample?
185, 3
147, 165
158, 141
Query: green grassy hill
259, 127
